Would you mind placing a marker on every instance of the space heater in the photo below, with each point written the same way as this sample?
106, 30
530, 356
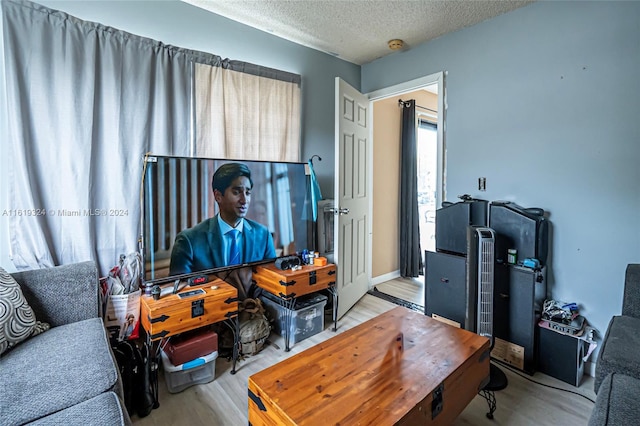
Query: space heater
484, 278
481, 274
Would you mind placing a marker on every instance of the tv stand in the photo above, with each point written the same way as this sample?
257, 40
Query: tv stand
288, 285
172, 314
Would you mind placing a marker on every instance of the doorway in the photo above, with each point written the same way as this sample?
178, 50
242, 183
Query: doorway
428, 93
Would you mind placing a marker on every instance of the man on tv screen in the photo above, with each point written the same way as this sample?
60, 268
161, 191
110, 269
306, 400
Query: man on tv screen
228, 238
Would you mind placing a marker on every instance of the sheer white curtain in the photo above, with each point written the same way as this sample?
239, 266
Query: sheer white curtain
84, 102
248, 112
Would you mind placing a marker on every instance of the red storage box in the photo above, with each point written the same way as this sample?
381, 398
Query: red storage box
191, 345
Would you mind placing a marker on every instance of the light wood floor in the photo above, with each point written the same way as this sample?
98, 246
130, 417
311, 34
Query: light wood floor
224, 401
410, 289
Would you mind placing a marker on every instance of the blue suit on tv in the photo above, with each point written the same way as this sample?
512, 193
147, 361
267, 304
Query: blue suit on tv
200, 248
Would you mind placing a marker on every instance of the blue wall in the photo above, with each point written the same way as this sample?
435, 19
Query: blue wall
545, 103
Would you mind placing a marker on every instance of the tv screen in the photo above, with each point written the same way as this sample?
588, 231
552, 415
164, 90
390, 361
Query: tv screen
185, 220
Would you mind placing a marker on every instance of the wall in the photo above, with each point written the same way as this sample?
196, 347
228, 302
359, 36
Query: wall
181, 24
387, 130
543, 101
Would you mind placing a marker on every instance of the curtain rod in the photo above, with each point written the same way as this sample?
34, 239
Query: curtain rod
401, 102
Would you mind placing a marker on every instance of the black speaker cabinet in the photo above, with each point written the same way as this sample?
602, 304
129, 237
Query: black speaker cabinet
561, 356
518, 345
525, 229
446, 293
452, 221
501, 301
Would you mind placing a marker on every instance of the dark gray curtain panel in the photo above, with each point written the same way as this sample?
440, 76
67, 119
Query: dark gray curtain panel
85, 102
410, 252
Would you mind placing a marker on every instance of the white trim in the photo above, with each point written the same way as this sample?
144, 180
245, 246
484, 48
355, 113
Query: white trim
386, 277
369, 160
441, 179
427, 114
407, 86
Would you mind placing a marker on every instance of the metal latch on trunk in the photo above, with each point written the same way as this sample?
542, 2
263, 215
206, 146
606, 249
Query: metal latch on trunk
436, 404
197, 308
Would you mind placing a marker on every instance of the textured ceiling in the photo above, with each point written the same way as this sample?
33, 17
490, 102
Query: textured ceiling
358, 30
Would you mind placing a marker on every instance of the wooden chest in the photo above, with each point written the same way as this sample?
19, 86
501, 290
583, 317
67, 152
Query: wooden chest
172, 314
290, 283
400, 367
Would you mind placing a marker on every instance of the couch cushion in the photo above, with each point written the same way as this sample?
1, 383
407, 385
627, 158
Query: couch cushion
55, 370
619, 351
104, 409
17, 320
617, 401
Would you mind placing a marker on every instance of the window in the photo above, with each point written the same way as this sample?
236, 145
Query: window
427, 154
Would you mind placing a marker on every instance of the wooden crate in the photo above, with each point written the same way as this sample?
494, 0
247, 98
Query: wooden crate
400, 367
290, 283
172, 315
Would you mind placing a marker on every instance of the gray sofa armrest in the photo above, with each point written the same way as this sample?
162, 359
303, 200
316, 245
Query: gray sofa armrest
62, 294
631, 301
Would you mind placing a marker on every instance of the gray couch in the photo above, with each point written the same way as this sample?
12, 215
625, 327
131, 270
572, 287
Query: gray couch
617, 380
66, 375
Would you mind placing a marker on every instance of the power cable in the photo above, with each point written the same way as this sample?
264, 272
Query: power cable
544, 384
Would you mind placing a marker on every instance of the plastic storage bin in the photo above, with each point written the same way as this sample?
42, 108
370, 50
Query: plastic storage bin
307, 318
195, 372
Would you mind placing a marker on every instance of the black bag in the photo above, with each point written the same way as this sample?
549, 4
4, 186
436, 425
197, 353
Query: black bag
139, 377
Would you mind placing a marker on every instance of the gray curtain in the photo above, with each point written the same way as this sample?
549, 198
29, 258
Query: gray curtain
85, 102
410, 252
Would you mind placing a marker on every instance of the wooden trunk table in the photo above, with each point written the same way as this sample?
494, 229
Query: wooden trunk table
171, 314
288, 285
400, 367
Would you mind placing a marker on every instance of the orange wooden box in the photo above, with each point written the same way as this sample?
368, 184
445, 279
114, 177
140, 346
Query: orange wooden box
172, 315
307, 280
399, 368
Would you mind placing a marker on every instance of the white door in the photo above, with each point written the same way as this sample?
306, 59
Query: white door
351, 195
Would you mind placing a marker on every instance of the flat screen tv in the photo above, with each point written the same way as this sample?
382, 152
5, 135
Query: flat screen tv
179, 203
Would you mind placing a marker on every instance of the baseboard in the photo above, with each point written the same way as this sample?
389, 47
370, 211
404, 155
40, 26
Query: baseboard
386, 277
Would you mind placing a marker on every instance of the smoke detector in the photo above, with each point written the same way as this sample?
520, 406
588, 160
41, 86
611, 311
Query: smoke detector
395, 44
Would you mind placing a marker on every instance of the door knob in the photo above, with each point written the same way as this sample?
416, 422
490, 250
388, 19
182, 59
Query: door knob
336, 211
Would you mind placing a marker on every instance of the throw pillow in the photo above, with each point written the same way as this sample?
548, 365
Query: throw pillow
40, 327
17, 320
